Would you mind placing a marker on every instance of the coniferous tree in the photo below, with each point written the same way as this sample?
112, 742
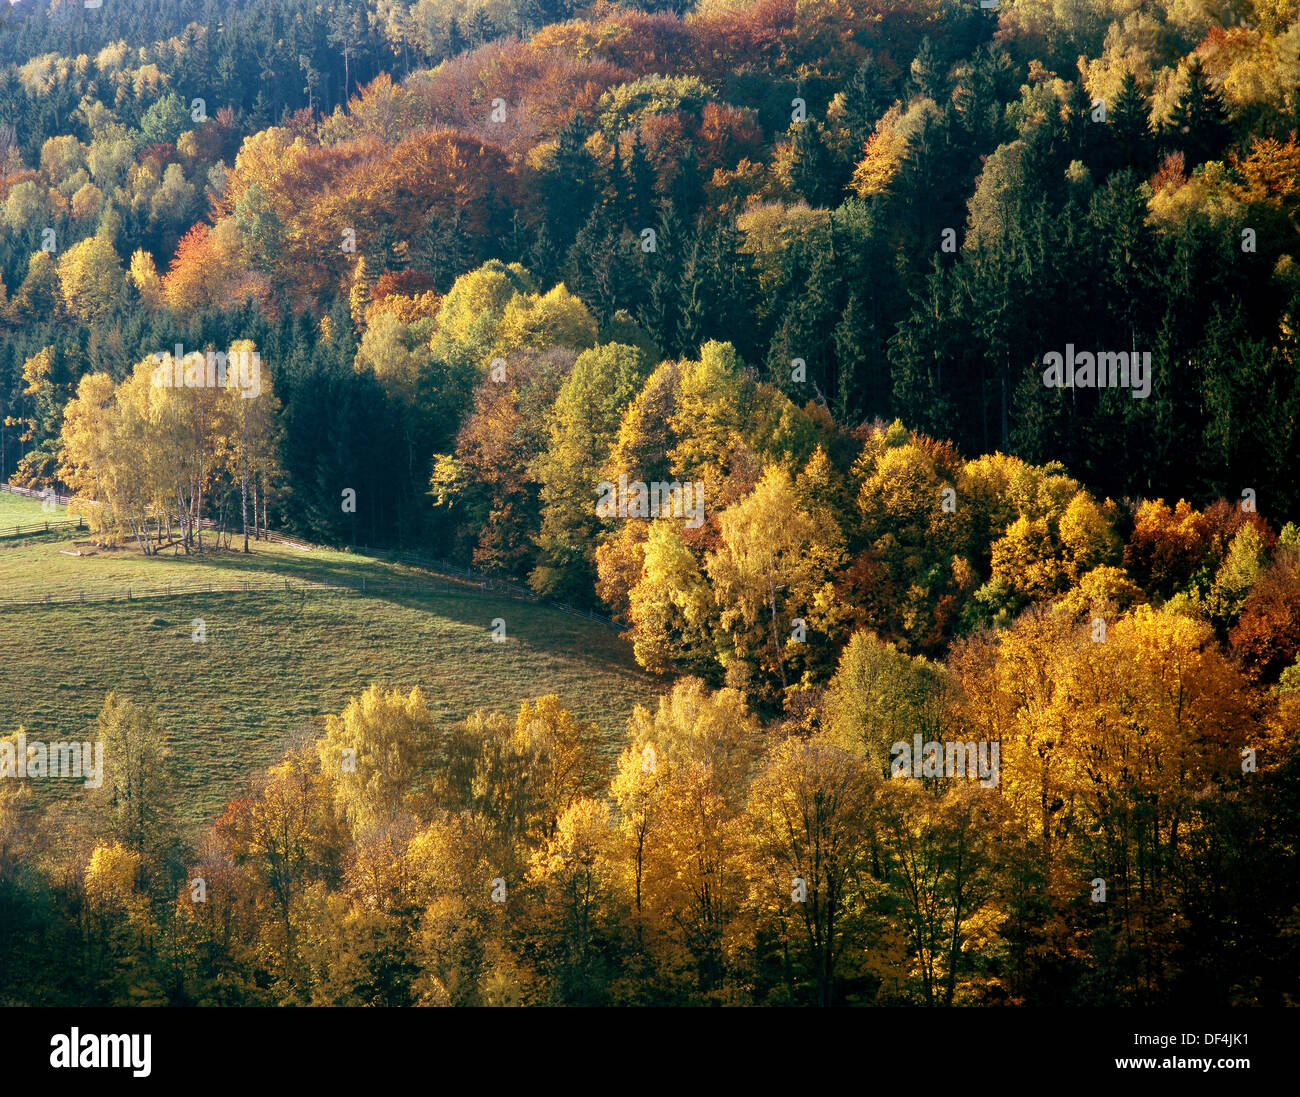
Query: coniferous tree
1129, 118
568, 187
641, 190
862, 389
455, 39
866, 98
1198, 124
1078, 122
660, 312
481, 27
810, 168
614, 198
692, 295
926, 77
686, 191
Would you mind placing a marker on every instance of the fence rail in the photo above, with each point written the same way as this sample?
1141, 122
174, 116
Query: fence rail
52, 526
42, 527
443, 568
33, 493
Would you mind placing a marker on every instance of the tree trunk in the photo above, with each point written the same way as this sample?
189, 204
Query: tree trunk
243, 487
776, 639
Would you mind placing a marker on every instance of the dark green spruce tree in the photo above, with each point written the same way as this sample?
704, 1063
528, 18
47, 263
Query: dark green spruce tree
1198, 125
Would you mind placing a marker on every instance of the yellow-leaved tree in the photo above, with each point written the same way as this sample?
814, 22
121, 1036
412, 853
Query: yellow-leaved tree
772, 578
91, 278
684, 838
809, 814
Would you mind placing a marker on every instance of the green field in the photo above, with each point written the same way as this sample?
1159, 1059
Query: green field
31, 569
272, 661
19, 510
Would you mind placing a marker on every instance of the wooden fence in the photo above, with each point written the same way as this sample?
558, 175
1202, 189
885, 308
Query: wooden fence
32, 493
56, 526
469, 579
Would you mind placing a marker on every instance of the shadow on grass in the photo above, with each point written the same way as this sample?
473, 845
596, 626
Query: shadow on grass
540, 627
287, 562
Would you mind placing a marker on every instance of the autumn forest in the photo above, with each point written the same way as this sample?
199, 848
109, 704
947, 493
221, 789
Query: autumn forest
528, 502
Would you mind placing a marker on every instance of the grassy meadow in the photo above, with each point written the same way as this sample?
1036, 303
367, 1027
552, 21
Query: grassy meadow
19, 510
274, 661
